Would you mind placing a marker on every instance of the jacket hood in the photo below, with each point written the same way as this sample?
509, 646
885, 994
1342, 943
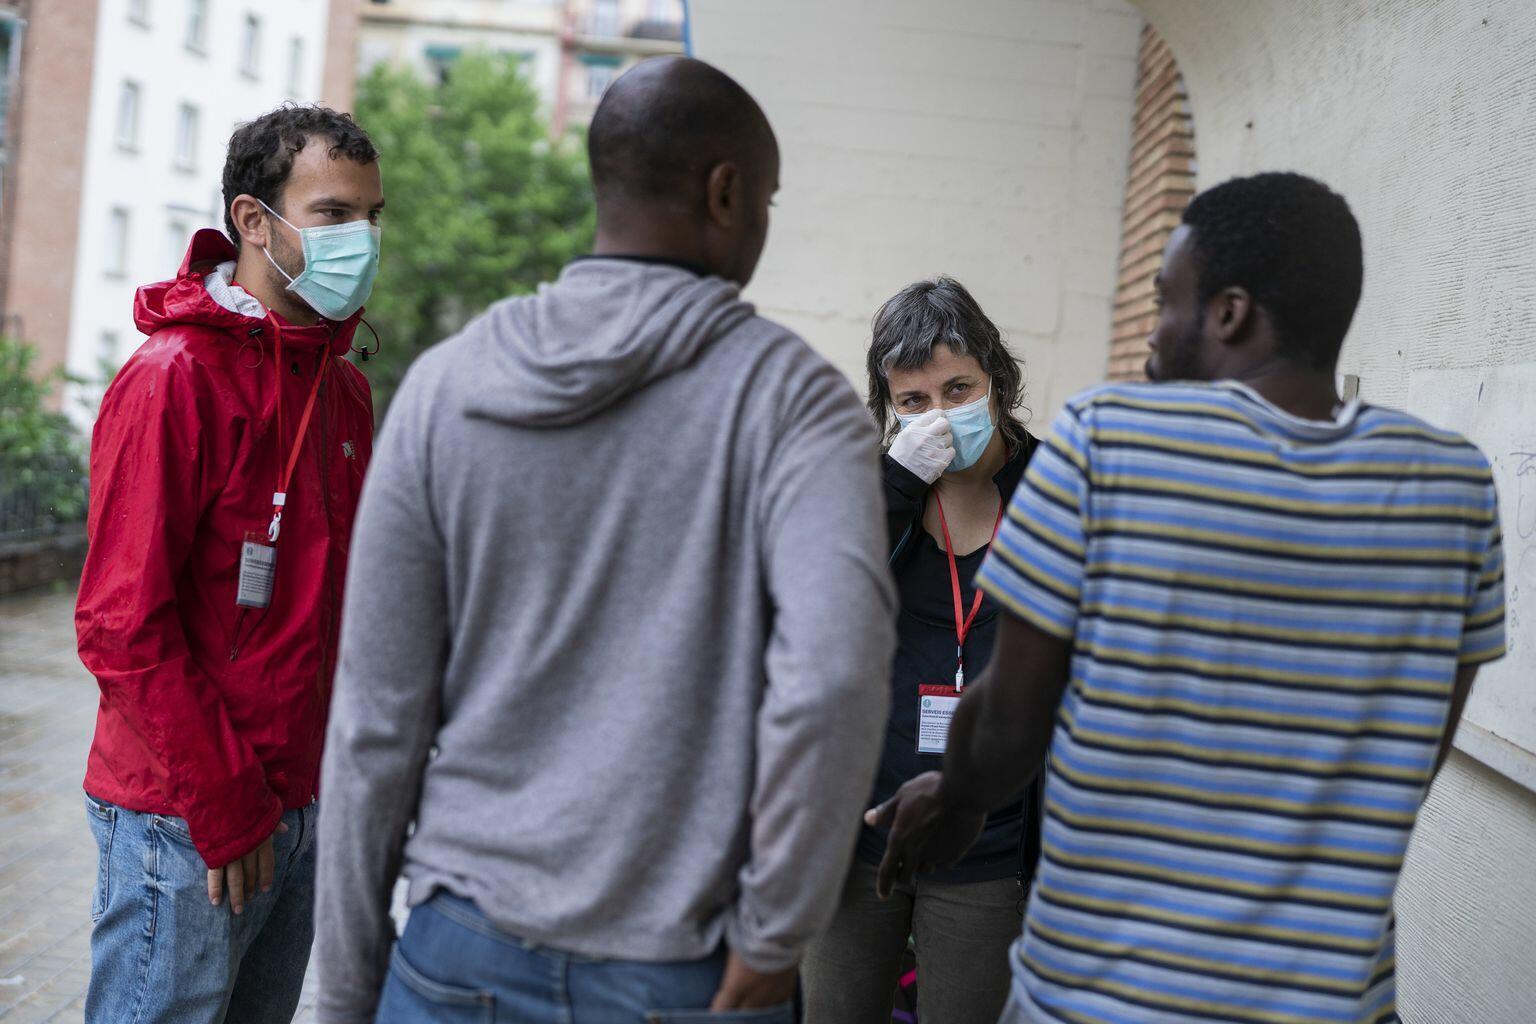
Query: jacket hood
185, 301
606, 328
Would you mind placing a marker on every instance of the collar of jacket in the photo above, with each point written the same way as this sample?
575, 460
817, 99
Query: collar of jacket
184, 300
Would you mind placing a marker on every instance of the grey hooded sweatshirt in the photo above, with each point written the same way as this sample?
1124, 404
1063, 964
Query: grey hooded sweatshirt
617, 636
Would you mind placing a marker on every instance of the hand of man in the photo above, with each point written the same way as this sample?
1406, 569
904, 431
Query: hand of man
742, 988
925, 832
242, 877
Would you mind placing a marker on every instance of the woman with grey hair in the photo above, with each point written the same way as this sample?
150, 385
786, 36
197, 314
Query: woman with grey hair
946, 392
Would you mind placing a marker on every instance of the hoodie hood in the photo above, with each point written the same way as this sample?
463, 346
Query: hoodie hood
606, 328
186, 300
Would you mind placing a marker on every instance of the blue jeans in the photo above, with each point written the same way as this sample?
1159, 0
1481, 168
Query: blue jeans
161, 953
452, 965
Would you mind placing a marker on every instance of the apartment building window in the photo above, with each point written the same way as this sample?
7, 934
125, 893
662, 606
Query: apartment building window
441, 58
117, 242
295, 67
250, 47
600, 75
128, 116
197, 25
138, 12
187, 118
177, 235
603, 19
106, 352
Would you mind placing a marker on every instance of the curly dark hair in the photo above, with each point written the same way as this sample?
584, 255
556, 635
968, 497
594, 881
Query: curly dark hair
1294, 245
942, 311
261, 152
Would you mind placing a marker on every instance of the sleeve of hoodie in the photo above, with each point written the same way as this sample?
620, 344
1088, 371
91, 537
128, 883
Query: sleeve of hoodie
384, 709
154, 470
823, 715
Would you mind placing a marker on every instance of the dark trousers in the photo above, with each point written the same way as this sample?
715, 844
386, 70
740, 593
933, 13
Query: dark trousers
962, 933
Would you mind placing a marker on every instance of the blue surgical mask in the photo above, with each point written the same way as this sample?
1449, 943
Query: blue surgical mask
970, 426
340, 262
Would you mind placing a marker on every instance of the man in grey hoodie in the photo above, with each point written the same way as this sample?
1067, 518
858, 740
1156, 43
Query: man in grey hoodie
618, 625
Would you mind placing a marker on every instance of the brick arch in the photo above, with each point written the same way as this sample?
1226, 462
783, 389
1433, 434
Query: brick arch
1159, 185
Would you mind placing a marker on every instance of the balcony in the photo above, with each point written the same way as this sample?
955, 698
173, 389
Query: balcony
603, 31
657, 28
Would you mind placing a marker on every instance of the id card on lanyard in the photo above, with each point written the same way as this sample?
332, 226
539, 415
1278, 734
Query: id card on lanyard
936, 703
258, 553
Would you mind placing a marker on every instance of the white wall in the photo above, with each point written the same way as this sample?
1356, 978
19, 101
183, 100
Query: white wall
146, 181
1423, 114
988, 140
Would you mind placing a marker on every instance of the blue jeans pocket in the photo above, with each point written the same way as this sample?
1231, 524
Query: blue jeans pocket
410, 996
103, 820
173, 827
781, 1014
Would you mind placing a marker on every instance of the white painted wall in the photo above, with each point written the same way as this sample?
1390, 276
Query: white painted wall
988, 140
1423, 114
146, 181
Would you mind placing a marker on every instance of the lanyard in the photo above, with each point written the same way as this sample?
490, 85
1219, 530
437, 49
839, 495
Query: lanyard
962, 620
280, 497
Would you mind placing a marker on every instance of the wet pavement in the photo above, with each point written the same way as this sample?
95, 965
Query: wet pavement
47, 858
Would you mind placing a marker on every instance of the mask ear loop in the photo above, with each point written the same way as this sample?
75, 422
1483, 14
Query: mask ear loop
378, 343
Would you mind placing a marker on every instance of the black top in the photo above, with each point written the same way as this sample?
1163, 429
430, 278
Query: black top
925, 654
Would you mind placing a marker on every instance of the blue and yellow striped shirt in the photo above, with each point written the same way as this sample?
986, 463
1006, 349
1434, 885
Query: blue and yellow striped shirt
1267, 617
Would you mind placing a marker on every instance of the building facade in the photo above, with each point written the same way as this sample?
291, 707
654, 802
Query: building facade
1042, 150
571, 50
119, 116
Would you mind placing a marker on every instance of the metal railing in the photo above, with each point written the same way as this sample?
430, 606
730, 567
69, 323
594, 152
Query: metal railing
40, 496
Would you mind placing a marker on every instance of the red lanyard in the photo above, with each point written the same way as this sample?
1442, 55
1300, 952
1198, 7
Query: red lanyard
280, 497
962, 620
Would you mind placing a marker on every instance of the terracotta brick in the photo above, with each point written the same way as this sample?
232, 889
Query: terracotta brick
1159, 184
49, 112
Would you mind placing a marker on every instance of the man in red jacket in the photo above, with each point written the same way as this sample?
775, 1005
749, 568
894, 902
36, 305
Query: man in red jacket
226, 465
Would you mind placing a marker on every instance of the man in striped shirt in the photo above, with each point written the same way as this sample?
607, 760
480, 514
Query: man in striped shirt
1244, 619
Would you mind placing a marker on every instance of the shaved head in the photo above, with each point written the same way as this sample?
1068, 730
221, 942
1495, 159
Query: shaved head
665, 123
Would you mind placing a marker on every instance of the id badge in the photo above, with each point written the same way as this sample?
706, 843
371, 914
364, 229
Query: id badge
935, 709
258, 567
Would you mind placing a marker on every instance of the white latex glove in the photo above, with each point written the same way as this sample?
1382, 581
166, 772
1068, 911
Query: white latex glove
925, 446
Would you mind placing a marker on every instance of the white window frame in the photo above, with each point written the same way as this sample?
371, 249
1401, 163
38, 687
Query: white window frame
108, 348
197, 26
612, 73
188, 124
605, 19
119, 228
138, 12
130, 105
177, 235
250, 46
296, 66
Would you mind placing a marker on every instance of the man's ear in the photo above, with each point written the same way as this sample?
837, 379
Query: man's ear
1229, 312
722, 194
250, 220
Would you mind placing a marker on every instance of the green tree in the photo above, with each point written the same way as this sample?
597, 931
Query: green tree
42, 476
482, 203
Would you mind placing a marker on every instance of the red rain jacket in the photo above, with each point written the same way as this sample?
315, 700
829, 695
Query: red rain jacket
210, 712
